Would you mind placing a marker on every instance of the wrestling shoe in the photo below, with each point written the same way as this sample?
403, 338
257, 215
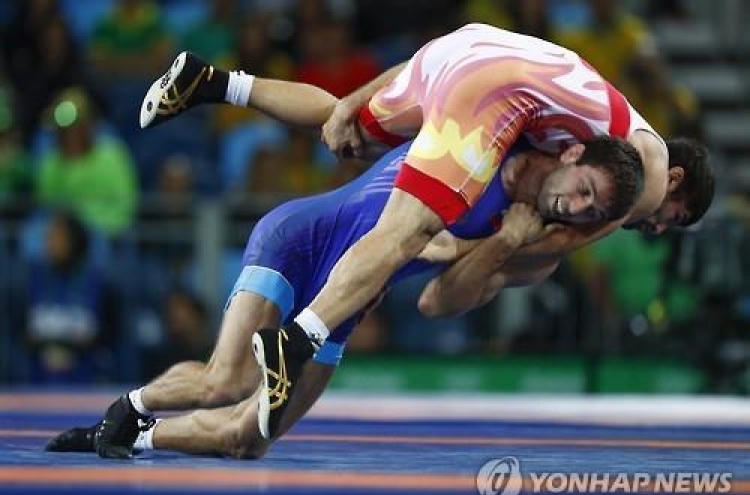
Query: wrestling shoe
281, 353
116, 434
73, 440
188, 82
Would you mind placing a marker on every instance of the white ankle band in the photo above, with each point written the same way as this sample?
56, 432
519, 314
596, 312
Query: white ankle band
136, 398
312, 325
145, 440
239, 87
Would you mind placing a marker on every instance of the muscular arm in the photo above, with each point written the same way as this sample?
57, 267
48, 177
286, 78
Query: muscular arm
477, 276
445, 296
567, 238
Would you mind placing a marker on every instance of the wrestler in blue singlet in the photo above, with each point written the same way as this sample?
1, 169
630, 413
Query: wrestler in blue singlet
293, 248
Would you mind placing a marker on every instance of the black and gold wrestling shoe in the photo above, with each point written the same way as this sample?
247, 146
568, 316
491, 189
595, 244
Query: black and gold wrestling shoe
118, 431
281, 354
188, 82
73, 440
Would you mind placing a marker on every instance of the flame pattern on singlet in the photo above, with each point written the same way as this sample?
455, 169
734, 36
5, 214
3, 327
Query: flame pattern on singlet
469, 95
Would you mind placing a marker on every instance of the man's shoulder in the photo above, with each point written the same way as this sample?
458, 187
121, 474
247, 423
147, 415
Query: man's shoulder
652, 148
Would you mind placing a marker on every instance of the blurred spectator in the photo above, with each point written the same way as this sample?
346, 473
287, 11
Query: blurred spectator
213, 38
303, 175
410, 19
264, 176
176, 186
410, 331
131, 42
15, 166
528, 17
370, 336
89, 173
330, 60
493, 12
41, 57
671, 110
612, 41
635, 282
240, 144
185, 334
668, 10
71, 309
289, 171
346, 171
254, 53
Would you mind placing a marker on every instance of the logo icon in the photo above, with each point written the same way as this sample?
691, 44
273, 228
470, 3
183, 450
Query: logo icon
500, 477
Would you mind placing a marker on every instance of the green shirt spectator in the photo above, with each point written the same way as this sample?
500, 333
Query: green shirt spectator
635, 267
100, 185
637, 270
131, 41
213, 38
92, 175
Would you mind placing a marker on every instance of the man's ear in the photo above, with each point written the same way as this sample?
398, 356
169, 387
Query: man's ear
572, 154
676, 176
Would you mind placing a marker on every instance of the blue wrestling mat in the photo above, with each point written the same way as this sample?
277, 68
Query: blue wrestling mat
386, 444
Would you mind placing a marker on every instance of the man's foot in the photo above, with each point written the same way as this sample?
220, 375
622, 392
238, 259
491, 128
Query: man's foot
115, 436
73, 440
188, 82
281, 353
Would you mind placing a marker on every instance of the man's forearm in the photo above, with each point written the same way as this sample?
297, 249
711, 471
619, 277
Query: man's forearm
568, 239
441, 299
463, 285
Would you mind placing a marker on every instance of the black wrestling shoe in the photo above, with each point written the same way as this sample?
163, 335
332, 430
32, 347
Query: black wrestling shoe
188, 82
281, 353
115, 436
73, 440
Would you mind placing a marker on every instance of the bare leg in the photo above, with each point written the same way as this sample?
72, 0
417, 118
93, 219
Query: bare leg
229, 431
292, 103
404, 228
302, 105
231, 375
312, 383
233, 430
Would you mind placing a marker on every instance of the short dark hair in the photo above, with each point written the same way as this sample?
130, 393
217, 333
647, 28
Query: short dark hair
697, 187
621, 162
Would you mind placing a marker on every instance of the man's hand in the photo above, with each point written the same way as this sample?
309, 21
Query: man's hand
522, 224
341, 132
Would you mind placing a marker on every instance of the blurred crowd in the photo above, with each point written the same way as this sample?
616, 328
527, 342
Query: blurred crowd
99, 280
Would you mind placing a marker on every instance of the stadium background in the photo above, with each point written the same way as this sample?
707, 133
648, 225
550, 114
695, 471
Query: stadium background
118, 246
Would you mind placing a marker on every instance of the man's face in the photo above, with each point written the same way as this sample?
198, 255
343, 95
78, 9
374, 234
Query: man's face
575, 194
672, 213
